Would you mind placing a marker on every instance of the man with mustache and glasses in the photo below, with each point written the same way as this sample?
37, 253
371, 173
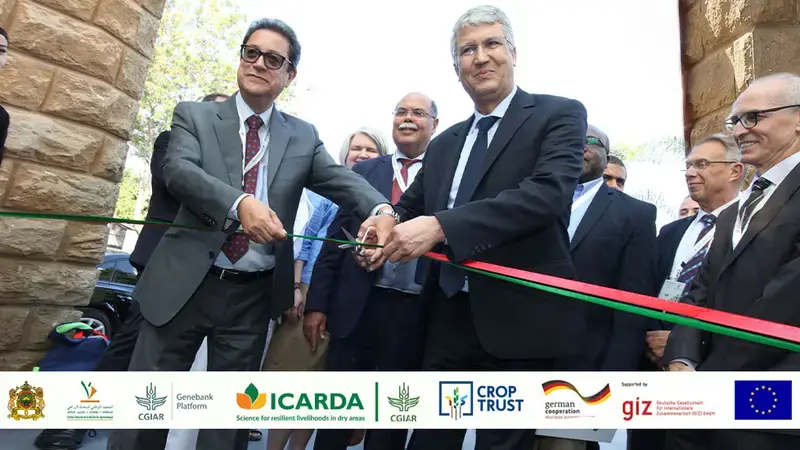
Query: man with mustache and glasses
374, 318
753, 265
236, 161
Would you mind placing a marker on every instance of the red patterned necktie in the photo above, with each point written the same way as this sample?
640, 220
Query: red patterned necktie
237, 245
396, 191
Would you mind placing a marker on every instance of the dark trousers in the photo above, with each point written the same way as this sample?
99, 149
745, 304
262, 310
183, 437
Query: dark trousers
729, 440
646, 439
117, 356
387, 337
235, 318
452, 345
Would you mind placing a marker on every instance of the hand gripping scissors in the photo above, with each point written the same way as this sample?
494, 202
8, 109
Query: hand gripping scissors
359, 250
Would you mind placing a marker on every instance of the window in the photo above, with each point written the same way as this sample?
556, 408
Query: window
125, 272
106, 269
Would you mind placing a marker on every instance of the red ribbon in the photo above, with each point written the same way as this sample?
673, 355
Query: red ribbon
730, 320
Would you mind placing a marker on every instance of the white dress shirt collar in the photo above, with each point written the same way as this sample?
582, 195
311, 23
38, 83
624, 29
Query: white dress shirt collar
245, 111
399, 154
780, 171
499, 110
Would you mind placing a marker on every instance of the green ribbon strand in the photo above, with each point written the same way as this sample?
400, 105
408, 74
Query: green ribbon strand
639, 310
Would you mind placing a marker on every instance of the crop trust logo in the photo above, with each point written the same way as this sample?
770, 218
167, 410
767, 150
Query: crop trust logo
569, 409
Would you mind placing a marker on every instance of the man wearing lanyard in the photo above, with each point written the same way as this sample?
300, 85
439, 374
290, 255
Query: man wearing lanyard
374, 318
612, 244
714, 176
753, 267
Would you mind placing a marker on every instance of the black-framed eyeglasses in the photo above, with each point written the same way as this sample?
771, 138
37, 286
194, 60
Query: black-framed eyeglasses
273, 61
591, 140
750, 118
416, 112
702, 164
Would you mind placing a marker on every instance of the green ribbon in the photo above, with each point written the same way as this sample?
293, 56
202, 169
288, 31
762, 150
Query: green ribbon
639, 310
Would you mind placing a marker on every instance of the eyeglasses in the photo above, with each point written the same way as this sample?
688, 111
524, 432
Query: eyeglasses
273, 61
750, 119
591, 140
418, 113
489, 45
702, 164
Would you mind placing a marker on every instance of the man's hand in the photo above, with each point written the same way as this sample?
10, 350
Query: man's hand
314, 328
259, 222
678, 366
656, 342
295, 313
374, 230
413, 239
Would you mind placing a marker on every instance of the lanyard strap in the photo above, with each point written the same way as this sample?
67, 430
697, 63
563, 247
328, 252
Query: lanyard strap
262, 151
398, 176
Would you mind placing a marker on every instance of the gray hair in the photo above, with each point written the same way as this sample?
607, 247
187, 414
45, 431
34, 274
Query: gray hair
281, 28
376, 136
481, 15
791, 79
732, 150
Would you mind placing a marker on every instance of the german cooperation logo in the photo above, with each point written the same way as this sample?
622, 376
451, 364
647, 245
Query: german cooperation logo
458, 399
300, 407
561, 409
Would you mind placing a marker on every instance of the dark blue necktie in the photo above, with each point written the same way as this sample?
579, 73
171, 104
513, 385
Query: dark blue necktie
692, 267
452, 279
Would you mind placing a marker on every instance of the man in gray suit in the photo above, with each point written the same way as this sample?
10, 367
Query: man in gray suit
236, 161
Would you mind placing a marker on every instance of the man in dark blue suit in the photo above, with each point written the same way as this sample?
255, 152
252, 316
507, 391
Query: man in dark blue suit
613, 244
714, 176
374, 318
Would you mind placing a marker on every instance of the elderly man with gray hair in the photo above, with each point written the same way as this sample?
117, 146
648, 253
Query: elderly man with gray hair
495, 188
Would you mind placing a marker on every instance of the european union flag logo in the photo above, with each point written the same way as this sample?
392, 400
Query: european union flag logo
763, 400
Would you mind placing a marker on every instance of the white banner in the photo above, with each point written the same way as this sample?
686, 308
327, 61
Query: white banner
363, 400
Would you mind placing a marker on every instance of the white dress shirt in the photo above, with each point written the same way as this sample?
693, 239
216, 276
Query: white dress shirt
259, 256
775, 175
581, 199
472, 136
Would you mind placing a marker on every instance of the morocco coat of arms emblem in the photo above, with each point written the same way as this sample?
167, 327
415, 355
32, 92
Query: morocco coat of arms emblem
26, 402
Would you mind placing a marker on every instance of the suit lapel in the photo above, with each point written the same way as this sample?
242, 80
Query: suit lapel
677, 236
599, 204
763, 217
278, 142
451, 161
384, 177
520, 108
227, 130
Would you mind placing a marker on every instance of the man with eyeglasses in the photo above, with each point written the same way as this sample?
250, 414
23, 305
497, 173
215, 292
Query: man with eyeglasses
714, 175
753, 266
239, 161
374, 318
612, 244
496, 188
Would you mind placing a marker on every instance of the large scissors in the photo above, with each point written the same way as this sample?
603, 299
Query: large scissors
359, 250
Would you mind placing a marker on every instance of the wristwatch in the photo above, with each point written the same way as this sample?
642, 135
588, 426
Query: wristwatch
390, 212
297, 285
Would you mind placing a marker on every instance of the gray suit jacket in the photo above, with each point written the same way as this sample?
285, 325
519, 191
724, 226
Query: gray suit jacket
203, 171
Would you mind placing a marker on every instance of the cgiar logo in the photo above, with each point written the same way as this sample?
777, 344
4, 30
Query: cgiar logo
403, 402
150, 402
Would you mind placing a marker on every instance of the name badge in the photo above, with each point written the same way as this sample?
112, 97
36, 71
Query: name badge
672, 290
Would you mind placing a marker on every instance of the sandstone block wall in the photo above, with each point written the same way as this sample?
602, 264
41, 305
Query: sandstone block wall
75, 73
726, 45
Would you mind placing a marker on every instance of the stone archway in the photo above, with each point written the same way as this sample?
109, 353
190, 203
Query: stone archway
75, 74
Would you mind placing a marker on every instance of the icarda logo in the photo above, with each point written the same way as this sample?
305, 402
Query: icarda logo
251, 398
291, 406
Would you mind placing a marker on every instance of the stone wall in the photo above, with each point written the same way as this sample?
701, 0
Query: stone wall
726, 45
75, 73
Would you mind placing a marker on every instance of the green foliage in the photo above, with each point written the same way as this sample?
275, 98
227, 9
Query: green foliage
196, 53
128, 194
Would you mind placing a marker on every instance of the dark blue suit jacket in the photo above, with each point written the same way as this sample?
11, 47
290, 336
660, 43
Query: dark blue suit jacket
615, 246
339, 286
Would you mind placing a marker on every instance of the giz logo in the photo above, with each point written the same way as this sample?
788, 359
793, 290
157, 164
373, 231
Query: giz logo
633, 408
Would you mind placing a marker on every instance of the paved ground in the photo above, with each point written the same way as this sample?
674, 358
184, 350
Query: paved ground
23, 440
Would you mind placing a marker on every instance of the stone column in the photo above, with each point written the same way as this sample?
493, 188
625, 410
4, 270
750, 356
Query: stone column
726, 45
75, 73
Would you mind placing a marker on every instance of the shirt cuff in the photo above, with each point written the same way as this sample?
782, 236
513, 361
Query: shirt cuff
688, 362
233, 213
378, 207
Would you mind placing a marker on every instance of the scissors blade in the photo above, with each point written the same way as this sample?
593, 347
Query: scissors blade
349, 238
